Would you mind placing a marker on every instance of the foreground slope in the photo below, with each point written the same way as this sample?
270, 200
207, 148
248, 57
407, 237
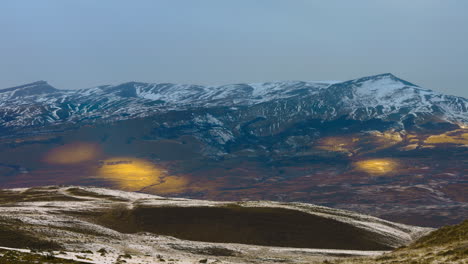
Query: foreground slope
80, 219
448, 244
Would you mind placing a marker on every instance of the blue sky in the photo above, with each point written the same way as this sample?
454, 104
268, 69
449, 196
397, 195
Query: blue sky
80, 44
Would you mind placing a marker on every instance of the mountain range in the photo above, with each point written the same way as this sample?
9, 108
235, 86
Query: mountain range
382, 96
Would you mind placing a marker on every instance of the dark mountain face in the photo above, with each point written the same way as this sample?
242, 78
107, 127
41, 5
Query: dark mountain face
378, 144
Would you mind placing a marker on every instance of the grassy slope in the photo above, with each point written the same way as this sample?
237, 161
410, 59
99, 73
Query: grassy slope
444, 235
14, 257
446, 245
11, 236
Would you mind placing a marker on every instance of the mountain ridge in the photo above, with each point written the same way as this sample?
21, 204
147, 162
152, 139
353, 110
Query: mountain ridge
382, 96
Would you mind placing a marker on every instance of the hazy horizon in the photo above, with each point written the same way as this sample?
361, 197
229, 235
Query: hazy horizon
84, 44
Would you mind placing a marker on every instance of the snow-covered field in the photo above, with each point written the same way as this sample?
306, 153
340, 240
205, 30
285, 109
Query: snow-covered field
50, 216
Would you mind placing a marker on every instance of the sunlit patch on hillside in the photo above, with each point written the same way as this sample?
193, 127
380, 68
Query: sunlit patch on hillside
377, 166
73, 153
385, 139
462, 126
411, 138
338, 144
409, 147
459, 136
133, 174
363, 142
129, 173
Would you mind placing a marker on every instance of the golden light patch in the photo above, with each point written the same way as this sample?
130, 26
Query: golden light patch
73, 153
459, 136
409, 147
133, 174
388, 137
383, 140
337, 144
377, 166
129, 173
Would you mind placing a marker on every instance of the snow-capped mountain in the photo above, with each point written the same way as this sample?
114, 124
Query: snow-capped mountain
383, 97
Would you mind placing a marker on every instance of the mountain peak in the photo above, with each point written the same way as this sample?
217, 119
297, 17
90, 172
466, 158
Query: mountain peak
34, 88
41, 82
388, 74
384, 76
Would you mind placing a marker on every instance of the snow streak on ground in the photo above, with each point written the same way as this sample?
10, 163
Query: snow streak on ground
85, 241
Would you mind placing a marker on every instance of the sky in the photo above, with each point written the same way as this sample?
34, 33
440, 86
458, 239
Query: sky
86, 43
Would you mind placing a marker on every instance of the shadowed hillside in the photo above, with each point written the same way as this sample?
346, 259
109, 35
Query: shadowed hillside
245, 225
